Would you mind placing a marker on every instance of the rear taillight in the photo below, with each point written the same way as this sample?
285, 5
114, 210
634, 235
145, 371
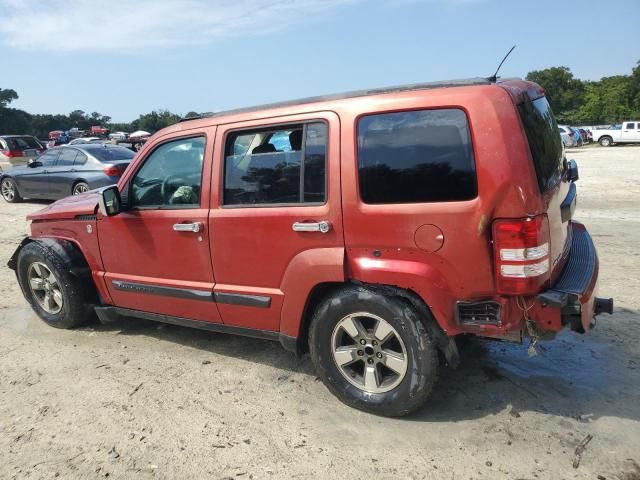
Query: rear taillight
521, 250
113, 170
12, 153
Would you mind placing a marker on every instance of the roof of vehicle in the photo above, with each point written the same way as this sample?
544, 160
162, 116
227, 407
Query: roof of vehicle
17, 136
518, 89
352, 94
92, 146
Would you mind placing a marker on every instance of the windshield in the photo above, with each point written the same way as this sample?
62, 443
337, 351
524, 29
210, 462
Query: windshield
544, 141
111, 154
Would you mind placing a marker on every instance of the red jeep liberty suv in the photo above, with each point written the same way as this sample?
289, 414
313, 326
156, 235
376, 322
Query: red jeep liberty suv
369, 228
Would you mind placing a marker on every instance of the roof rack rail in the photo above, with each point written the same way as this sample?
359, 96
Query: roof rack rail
196, 117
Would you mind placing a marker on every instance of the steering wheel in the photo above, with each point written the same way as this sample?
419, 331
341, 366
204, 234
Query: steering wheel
164, 188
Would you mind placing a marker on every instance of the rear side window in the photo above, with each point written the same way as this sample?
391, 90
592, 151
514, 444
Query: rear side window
544, 142
81, 159
283, 165
417, 156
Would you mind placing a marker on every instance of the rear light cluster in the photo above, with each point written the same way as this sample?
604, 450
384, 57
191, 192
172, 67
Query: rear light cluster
12, 153
521, 251
114, 170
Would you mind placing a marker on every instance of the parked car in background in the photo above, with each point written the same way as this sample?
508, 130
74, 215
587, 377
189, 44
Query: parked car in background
18, 150
568, 136
586, 138
369, 228
58, 137
67, 170
628, 132
578, 136
81, 140
75, 132
99, 130
118, 136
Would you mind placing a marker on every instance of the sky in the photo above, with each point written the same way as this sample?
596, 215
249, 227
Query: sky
123, 58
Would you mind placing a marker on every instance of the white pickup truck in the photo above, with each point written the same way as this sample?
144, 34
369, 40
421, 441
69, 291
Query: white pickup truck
628, 132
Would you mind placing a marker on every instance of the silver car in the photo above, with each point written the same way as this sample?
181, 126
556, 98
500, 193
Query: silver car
568, 136
18, 150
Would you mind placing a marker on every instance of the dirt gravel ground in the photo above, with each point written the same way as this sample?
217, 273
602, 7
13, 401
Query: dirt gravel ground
138, 399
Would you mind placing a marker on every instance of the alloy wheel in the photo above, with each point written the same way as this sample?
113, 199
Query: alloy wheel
45, 287
80, 188
369, 352
8, 190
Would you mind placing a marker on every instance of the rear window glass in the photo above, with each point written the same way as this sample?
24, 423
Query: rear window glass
22, 143
544, 142
111, 154
417, 156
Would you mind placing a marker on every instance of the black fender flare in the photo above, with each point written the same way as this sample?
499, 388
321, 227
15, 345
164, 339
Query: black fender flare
69, 253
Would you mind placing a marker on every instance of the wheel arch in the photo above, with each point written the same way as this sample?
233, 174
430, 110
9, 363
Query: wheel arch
69, 252
445, 344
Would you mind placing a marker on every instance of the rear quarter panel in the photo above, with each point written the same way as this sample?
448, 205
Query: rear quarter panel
380, 239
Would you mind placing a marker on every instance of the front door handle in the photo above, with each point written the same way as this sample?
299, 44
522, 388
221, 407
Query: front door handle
188, 227
323, 227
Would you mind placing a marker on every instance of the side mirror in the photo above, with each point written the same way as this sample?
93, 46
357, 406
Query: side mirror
109, 201
34, 164
572, 171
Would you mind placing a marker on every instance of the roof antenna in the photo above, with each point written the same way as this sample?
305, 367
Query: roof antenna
493, 78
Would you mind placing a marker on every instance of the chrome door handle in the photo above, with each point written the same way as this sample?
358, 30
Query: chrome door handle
322, 227
187, 227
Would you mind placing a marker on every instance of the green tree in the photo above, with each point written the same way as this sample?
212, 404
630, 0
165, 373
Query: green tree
564, 92
7, 95
156, 120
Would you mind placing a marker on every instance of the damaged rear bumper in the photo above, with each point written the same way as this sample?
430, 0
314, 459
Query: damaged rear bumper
572, 300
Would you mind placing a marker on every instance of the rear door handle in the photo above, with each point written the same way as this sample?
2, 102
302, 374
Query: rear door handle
188, 227
323, 227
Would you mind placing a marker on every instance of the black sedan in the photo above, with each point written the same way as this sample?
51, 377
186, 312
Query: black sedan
66, 170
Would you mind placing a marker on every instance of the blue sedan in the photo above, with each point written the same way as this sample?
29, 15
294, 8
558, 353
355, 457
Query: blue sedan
66, 170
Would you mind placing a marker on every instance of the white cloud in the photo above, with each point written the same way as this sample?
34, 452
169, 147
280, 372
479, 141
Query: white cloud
119, 25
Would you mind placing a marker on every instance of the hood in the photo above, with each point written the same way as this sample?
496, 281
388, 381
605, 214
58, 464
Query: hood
68, 208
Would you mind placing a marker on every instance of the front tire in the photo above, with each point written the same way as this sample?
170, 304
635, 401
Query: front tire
9, 190
606, 141
58, 297
373, 352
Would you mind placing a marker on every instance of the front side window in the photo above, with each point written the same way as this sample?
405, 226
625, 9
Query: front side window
48, 159
416, 156
283, 165
631, 126
66, 157
171, 177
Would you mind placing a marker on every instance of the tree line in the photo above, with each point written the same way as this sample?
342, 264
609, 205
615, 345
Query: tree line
19, 122
583, 102
574, 101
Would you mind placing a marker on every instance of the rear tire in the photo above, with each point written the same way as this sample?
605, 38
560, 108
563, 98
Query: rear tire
58, 297
9, 190
373, 352
605, 141
80, 187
